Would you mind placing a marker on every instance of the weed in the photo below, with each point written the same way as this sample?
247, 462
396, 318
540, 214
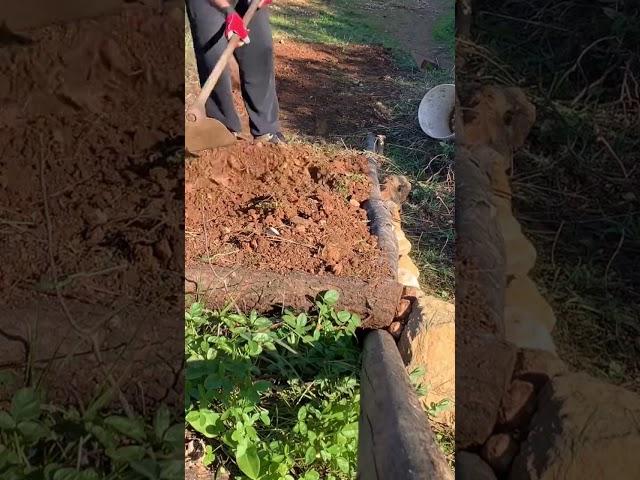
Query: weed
446, 438
275, 397
43, 441
265, 205
343, 184
445, 434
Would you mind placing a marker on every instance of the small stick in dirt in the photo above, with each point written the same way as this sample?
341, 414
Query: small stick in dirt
15, 222
604, 141
44, 286
209, 259
615, 254
284, 240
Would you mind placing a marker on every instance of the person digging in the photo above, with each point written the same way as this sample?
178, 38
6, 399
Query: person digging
213, 23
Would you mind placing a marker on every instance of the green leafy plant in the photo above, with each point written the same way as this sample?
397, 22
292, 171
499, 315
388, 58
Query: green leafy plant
275, 398
40, 441
434, 408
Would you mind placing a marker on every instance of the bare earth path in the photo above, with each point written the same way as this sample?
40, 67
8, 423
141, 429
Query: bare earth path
412, 23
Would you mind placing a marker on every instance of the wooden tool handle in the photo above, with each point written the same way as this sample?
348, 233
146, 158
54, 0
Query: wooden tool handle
197, 109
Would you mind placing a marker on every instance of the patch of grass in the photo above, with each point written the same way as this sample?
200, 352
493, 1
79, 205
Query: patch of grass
445, 434
344, 183
444, 30
39, 440
446, 438
338, 23
585, 316
275, 397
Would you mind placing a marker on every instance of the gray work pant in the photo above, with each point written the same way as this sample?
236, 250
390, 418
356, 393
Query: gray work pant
255, 60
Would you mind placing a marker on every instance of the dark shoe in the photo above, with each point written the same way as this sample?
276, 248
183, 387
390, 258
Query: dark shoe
271, 138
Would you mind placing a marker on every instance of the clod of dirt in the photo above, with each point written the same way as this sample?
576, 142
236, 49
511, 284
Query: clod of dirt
236, 197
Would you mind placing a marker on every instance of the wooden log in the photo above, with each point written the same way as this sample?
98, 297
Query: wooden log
480, 263
484, 362
266, 291
395, 439
380, 222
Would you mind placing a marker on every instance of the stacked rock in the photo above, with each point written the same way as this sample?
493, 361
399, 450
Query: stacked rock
521, 413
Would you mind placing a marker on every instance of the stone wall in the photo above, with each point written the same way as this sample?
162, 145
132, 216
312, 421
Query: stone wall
526, 416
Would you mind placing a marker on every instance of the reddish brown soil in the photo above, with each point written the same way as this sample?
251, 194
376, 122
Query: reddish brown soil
282, 208
90, 196
194, 469
326, 90
234, 196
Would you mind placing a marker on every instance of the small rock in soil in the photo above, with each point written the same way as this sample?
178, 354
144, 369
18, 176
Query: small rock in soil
538, 366
162, 250
331, 254
404, 308
336, 269
483, 373
470, 466
410, 293
518, 404
499, 451
395, 329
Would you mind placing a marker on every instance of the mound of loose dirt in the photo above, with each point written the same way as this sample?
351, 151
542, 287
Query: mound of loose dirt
281, 208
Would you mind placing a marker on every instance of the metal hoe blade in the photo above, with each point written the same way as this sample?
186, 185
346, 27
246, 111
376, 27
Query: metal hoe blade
206, 133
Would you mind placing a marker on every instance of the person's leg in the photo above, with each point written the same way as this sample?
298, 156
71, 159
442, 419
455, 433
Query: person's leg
257, 75
207, 29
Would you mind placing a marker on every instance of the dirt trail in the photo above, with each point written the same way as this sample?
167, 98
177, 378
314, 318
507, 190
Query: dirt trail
281, 208
412, 22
